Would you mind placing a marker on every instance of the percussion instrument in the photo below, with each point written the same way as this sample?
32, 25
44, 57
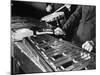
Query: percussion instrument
57, 55
55, 19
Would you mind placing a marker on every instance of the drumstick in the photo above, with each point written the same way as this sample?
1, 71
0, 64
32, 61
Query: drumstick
60, 8
41, 33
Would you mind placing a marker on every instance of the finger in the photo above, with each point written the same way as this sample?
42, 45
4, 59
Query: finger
87, 48
90, 49
85, 55
88, 57
83, 46
55, 32
82, 55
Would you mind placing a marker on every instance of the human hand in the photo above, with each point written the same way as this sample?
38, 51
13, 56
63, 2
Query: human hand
88, 45
85, 56
21, 33
49, 8
58, 31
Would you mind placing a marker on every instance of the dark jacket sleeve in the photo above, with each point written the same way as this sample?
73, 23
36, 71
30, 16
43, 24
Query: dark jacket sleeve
87, 27
76, 16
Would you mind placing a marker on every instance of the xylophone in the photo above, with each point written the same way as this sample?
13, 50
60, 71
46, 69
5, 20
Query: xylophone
59, 55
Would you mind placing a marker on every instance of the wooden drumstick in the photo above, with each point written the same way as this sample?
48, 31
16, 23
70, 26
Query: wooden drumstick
41, 33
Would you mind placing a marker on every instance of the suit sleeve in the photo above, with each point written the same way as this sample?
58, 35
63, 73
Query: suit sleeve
76, 16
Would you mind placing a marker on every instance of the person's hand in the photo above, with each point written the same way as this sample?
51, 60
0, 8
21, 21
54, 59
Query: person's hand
88, 45
49, 8
85, 56
21, 33
58, 31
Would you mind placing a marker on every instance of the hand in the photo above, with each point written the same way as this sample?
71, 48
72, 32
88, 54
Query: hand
85, 56
49, 8
88, 45
58, 31
21, 33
